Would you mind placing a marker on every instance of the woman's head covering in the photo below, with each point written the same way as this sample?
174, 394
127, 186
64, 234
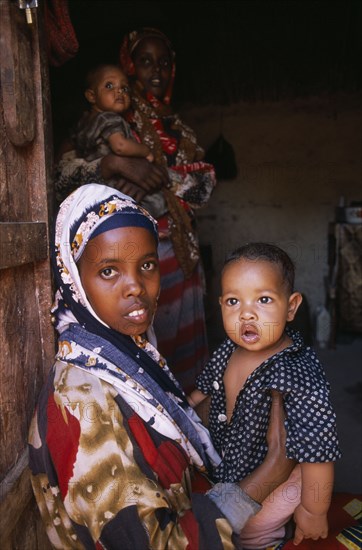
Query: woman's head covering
130, 43
90, 210
87, 212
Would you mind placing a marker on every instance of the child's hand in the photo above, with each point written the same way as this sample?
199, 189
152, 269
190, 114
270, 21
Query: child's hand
150, 157
309, 526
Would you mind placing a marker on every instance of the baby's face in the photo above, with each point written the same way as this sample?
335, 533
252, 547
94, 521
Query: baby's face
255, 304
110, 92
120, 275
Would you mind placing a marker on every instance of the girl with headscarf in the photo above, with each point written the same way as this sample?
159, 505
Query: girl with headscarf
117, 457
148, 59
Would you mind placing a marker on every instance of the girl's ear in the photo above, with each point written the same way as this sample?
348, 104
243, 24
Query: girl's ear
294, 302
90, 96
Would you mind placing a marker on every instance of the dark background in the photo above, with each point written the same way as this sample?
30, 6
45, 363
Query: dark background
252, 50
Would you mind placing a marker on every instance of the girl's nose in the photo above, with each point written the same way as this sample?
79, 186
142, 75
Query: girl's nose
132, 287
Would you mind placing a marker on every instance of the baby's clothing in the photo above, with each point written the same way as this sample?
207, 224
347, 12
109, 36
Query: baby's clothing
310, 419
310, 424
93, 130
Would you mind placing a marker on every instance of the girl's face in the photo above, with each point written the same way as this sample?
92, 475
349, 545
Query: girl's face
153, 65
110, 92
256, 305
120, 275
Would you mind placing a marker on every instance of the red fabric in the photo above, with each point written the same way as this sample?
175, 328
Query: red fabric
169, 463
63, 450
62, 43
338, 519
169, 144
166, 460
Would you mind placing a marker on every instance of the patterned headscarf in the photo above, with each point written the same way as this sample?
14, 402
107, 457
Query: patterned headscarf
88, 211
130, 43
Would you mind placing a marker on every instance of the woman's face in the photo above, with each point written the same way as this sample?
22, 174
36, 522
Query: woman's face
120, 275
153, 65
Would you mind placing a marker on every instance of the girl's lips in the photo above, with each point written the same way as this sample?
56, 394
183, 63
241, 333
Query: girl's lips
139, 315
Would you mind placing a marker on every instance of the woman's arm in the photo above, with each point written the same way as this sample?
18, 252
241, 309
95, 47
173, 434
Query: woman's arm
240, 501
195, 398
133, 176
276, 467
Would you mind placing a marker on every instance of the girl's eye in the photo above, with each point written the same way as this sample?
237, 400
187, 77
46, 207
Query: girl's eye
144, 61
231, 301
165, 63
125, 90
109, 85
108, 273
149, 266
265, 300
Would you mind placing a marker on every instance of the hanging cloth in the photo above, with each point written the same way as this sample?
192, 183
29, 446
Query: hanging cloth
222, 156
62, 43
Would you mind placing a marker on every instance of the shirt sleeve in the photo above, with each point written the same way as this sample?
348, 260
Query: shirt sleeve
93, 471
311, 426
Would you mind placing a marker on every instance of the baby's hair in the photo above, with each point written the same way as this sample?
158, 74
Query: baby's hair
267, 253
93, 74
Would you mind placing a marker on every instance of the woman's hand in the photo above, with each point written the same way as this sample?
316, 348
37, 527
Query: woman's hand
276, 467
146, 176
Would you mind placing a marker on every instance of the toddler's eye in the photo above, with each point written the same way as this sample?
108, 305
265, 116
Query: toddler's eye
108, 273
265, 300
125, 90
231, 301
109, 85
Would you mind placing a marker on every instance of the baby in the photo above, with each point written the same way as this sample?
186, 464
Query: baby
102, 129
261, 354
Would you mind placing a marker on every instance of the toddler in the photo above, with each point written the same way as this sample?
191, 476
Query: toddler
258, 355
102, 129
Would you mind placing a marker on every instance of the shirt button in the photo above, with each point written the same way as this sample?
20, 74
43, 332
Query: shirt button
222, 417
215, 385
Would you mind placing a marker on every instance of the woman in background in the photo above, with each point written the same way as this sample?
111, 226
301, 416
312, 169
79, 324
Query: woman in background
178, 183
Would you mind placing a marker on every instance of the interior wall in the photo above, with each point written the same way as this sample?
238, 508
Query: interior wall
295, 160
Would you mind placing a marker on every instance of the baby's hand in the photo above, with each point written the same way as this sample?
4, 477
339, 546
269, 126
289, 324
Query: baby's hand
309, 526
150, 157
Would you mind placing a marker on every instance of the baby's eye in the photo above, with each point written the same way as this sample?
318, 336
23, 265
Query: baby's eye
265, 300
109, 85
108, 273
231, 301
125, 90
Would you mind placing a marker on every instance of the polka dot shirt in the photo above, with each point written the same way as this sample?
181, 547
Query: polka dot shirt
310, 418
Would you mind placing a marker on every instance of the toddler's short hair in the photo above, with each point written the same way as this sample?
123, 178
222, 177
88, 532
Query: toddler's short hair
268, 253
92, 75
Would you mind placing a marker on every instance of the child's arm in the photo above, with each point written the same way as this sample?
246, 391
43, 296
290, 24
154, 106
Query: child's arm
311, 515
195, 397
127, 147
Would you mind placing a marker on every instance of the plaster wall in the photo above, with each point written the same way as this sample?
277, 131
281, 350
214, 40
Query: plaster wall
295, 160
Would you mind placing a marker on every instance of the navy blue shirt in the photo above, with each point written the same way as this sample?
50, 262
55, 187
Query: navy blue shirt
310, 419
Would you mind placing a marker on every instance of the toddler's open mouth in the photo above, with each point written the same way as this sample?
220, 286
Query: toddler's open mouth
249, 334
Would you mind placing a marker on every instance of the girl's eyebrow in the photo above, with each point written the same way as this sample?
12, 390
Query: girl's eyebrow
150, 255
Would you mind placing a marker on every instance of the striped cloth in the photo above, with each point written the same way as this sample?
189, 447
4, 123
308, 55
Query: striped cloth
180, 319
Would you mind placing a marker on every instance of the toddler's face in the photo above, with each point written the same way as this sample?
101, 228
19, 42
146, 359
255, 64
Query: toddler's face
255, 304
120, 274
110, 92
